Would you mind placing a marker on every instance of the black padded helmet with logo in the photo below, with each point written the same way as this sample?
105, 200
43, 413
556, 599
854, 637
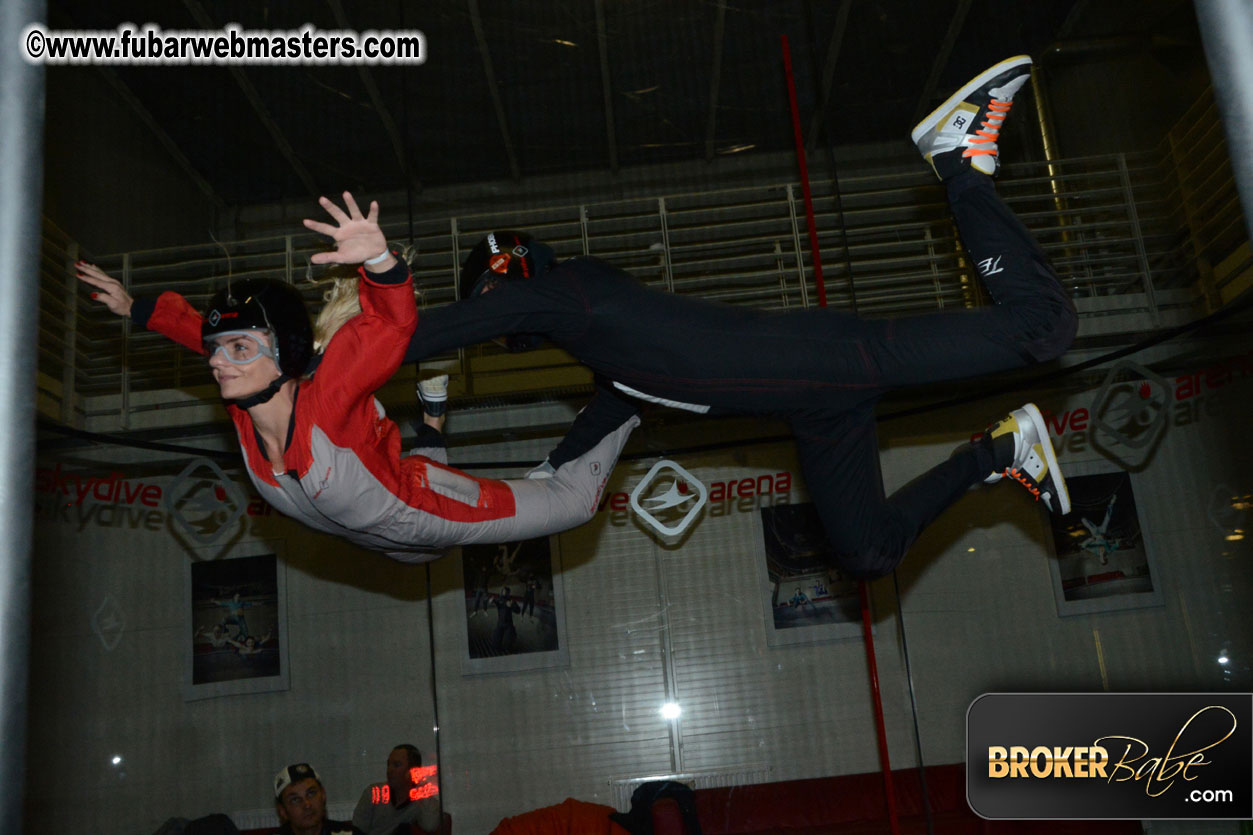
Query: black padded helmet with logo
266, 305
503, 256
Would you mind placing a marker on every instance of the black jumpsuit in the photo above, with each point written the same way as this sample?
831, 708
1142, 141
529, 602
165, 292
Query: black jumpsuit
823, 370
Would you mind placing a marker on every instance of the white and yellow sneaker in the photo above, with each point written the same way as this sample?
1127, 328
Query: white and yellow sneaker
962, 132
1034, 465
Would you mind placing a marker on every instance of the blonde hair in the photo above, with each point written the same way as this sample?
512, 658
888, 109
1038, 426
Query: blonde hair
341, 303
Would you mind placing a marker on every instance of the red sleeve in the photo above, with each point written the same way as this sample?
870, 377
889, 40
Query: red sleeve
367, 350
174, 317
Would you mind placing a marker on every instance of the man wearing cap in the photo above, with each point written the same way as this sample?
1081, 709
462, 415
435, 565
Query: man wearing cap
301, 803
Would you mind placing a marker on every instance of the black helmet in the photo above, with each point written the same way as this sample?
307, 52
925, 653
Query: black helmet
266, 305
503, 256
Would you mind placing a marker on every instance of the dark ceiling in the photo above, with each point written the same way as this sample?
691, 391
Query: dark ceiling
581, 84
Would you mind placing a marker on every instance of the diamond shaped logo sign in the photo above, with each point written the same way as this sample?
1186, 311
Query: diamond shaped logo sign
668, 498
109, 622
1132, 410
204, 502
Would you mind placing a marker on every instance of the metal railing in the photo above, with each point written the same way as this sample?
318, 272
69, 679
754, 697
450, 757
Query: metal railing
1201, 190
1125, 230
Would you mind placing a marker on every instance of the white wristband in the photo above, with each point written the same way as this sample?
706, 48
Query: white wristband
380, 258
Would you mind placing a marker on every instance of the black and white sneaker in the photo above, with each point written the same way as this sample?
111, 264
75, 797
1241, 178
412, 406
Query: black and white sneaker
433, 395
962, 132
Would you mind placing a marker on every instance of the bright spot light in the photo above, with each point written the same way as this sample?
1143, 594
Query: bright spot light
116, 760
1222, 659
671, 710
1235, 537
970, 550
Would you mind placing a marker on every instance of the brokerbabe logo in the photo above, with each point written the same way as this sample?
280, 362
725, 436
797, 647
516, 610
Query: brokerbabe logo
1110, 755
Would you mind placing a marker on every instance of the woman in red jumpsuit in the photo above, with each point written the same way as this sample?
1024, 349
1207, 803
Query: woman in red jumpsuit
321, 449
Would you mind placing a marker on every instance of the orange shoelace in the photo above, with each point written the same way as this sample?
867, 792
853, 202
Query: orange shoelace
1025, 480
997, 111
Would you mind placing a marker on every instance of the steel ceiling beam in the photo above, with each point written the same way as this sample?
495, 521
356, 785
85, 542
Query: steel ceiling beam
715, 79
254, 98
376, 100
602, 41
828, 72
476, 21
171, 147
163, 139
941, 60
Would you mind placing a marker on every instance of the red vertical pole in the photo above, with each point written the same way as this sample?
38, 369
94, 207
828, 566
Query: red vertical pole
867, 632
889, 789
800, 157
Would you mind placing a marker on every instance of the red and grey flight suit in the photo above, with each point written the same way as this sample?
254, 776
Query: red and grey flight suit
344, 471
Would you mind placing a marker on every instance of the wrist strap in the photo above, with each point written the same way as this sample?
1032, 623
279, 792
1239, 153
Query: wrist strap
381, 257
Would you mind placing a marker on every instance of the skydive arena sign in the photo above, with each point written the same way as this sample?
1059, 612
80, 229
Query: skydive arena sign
1110, 755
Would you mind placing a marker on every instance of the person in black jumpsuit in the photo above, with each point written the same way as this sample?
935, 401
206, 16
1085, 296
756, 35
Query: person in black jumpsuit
528, 599
823, 370
505, 634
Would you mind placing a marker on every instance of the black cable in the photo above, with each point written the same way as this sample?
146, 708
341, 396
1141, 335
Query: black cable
101, 438
913, 703
430, 630
825, 130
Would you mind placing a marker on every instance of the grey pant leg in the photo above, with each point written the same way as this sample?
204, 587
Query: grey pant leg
542, 506
569, 497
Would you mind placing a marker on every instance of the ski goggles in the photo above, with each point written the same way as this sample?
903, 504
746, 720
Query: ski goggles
239, 347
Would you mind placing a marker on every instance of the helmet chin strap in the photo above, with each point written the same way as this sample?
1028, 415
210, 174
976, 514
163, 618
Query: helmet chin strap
263, 396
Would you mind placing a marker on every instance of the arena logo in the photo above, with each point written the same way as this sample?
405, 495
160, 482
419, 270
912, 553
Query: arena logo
1193, 400
750, 491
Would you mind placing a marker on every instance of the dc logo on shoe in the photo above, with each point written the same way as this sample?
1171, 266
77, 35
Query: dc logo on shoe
595, 468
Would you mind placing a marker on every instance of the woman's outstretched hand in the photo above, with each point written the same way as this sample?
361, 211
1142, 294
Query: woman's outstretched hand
358, 237
108, 289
